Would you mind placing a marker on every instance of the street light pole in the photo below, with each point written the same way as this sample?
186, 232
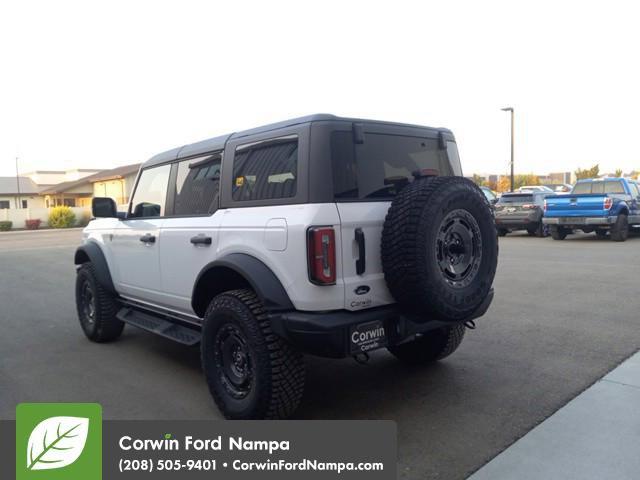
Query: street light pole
510, 109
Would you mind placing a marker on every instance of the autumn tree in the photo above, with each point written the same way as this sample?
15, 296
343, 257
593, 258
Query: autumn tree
592, 172
504, 184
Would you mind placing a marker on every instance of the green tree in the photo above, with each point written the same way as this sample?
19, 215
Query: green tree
592, 172
618, 173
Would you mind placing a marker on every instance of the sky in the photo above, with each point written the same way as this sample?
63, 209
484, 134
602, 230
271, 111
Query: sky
92, 84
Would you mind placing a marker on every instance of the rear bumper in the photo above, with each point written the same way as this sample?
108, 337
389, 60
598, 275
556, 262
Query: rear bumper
330, 334
578, 221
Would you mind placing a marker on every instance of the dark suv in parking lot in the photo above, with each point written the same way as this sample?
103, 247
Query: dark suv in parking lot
521, 211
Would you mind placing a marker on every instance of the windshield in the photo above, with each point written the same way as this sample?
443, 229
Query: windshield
383, 164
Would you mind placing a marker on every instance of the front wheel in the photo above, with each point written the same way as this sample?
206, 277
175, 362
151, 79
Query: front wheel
96, 307
502, 232
431, 346
251, 372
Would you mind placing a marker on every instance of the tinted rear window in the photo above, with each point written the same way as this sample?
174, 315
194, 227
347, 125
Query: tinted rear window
613, 187
516, 199
382, 165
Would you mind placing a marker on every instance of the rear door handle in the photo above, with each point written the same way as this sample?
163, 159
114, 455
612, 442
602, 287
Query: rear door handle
201, 240
361, 264
148, 238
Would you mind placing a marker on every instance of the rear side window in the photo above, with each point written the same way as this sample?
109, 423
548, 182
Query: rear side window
265, 171
197, 186
382, 165
151, 192
614, 187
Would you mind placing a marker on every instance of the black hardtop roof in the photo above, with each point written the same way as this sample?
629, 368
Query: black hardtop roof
218, 143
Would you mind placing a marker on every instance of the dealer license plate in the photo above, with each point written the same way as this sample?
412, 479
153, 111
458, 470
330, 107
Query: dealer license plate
367, 336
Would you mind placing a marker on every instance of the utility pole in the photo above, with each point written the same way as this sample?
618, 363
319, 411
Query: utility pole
18, 202
510, 109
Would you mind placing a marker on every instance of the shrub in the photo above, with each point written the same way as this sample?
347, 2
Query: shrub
61, 217
84, 220
5, 226
33, 224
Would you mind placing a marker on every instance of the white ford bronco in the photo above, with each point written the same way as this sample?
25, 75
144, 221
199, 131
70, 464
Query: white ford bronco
319, 235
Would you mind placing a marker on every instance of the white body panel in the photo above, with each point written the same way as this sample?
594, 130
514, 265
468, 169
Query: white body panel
369, 217
164, 273
135, 266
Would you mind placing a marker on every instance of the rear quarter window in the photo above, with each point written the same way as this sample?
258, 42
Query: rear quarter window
265, 171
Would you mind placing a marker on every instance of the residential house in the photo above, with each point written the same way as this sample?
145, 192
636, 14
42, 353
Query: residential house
20, 192
116, 183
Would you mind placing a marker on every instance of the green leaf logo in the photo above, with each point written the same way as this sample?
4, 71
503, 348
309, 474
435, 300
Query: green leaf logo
56, 442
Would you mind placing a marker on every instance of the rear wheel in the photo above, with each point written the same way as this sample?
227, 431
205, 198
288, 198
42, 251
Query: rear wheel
431, 346
96, 307
558, 233
502, 232
620, 229
251, 372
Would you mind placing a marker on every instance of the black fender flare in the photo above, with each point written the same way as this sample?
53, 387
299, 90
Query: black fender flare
263, 281
91, 252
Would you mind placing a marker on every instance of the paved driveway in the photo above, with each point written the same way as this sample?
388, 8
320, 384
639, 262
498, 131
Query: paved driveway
565, 313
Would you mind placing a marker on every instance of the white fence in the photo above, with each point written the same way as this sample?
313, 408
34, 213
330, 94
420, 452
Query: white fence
18, 216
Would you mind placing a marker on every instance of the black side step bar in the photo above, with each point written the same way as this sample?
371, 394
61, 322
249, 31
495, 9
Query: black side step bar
160, 326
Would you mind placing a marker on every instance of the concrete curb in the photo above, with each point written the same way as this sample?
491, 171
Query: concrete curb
594, 436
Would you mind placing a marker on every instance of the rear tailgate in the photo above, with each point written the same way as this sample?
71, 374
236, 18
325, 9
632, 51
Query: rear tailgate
361, 231
571, 205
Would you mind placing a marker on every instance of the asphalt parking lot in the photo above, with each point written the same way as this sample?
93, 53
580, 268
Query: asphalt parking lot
565, 313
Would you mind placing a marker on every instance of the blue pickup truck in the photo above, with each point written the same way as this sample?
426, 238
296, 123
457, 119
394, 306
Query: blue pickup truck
601, 205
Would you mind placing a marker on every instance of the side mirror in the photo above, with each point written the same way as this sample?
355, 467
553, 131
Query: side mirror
494, 201
104, 207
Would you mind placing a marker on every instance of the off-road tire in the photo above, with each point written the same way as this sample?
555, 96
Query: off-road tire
277, 371
620, 229
103, 326
502, 232
417, 244
433, 345
558, 233
542, 231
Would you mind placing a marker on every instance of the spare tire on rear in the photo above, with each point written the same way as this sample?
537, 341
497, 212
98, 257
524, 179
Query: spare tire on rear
439, 248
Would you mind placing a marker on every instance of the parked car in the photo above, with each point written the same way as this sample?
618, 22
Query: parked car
534, 188
521, 211
559, 189
601, 205
319, 235
490, 195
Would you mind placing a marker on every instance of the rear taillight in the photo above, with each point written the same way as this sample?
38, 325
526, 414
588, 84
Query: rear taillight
608, 203
321, 249
545, 205
527, 206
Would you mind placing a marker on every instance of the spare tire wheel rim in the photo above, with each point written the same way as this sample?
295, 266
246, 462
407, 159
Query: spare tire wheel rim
458, 248
234, 361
